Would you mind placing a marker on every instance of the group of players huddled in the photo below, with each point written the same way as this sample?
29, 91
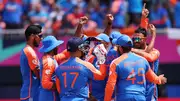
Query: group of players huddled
108, 67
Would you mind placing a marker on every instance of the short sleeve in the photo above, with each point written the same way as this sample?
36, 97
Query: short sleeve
32, 58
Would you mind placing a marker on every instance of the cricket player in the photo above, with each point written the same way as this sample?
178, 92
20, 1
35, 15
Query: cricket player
148, 52
113, 53
48, 91
152, 56
97, 87
129, 73
29, 64
73, 75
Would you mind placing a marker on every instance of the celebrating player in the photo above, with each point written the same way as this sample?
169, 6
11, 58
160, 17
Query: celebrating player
152, 56
74, 74
97, 87
149, 52
129, 73
29, 64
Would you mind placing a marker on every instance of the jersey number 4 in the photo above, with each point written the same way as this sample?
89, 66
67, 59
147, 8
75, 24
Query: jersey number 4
75, 74
132, 76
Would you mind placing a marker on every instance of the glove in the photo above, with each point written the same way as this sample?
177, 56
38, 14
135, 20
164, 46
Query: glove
100, 53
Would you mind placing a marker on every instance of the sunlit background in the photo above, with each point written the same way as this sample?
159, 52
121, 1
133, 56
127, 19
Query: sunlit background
60, 18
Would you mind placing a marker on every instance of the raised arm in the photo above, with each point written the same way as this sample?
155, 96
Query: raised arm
83, 20
109, 18
144, 19
152, 42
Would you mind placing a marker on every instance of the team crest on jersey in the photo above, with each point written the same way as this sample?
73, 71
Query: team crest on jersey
47, 72
35, 61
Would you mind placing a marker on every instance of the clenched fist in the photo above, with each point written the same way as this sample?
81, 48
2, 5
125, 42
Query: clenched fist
83, 20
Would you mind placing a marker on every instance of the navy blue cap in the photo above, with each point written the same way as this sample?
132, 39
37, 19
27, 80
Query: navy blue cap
74, 43
124, 41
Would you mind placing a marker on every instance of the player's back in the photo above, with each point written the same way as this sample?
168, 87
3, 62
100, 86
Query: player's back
74, 77
131, 70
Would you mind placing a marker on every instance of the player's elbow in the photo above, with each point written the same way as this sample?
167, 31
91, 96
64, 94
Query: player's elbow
46, 85
36, 72
150, 59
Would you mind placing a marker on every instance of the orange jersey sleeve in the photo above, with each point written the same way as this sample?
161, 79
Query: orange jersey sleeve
102, 68
151, 56
47, 72
58, 85
62, 56
90, 58
33, 60
152, 77
111, 82
144, 23
98, 74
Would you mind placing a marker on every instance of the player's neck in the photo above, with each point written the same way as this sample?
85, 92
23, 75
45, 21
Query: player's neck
75, 55
51, 54
30, 44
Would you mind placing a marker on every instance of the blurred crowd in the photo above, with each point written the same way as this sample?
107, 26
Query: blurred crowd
59, 14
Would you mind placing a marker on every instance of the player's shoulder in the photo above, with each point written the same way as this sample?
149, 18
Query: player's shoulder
120, 59
47, 59
29, 51
141, 57
156, 51
49, 62
84, 63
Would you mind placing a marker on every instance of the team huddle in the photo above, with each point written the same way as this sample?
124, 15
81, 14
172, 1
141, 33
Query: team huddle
108, 67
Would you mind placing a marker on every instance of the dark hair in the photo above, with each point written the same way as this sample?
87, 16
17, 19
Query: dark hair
126, 49
141, 30
32, 29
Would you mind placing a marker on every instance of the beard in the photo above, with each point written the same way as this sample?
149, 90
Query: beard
35, 43
55, 51
137, 45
